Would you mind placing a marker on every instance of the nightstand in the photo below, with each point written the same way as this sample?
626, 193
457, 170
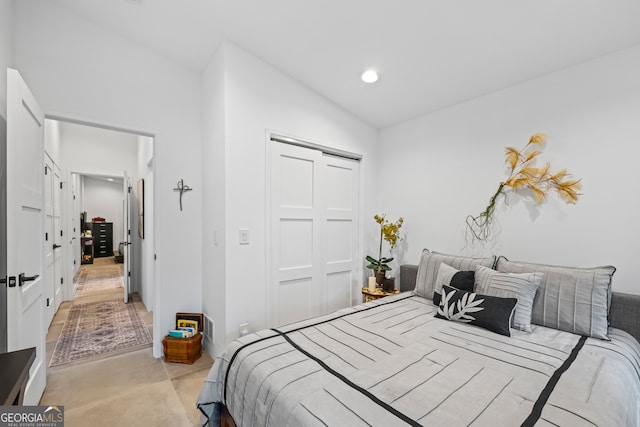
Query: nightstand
378, 293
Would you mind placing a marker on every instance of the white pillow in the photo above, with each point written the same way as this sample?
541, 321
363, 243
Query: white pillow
444, 276
522, 286
571, 299
430, 262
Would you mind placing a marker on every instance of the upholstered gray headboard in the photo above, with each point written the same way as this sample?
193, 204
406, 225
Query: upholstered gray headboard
624, 313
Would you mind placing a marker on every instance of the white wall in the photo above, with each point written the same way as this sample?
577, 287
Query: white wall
214, 204
76, 69
257, 98
441, 167
6, 50
95, 151
52, 141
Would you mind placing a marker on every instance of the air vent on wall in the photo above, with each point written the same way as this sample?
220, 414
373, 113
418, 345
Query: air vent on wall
208, 329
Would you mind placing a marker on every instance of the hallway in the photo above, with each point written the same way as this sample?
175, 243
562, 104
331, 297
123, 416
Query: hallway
120, 388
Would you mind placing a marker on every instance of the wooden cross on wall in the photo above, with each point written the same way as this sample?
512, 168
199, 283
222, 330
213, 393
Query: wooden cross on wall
182, 188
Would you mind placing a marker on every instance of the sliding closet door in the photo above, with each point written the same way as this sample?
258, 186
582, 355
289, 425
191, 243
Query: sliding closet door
295, 233
313, 232
340, 184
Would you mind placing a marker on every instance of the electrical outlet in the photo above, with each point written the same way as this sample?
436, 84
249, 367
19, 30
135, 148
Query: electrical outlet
244, 329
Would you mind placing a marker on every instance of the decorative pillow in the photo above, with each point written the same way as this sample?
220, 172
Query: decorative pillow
571, 299
447, 275
492, 313
522, 286
430, 262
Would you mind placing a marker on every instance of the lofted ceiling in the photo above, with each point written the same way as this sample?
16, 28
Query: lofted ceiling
429, 54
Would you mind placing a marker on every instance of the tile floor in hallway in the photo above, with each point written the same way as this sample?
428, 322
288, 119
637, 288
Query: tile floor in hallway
127, 389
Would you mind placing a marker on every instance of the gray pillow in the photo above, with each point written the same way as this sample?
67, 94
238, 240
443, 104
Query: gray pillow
443, 277
522, 286
570, 299
430, 263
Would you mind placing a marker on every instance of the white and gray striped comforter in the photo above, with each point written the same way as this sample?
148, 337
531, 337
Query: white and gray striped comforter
391, 362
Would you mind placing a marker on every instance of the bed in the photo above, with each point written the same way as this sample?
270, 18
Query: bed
394, 362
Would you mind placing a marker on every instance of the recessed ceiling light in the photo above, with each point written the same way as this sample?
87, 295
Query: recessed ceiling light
370, 76
110, 179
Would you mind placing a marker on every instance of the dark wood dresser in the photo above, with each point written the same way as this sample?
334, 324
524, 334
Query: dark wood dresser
102, 239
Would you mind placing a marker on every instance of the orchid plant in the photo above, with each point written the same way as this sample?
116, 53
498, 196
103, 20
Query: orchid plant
390, 232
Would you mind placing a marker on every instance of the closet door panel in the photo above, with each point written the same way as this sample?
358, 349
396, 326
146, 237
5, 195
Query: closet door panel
313, 230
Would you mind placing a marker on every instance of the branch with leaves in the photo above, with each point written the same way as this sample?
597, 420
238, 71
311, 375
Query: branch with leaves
524, 175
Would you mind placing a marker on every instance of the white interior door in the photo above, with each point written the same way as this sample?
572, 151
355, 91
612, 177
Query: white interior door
74, 259
49, 242
341, 180
25, 229
126, 238
314, 232
295, 242
53, 284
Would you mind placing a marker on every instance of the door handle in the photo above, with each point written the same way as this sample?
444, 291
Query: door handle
56, 246
22, 278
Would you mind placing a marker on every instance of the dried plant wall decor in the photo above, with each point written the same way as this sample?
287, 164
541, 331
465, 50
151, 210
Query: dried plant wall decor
525, 176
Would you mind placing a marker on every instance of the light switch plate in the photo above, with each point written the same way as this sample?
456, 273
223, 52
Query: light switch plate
244, 236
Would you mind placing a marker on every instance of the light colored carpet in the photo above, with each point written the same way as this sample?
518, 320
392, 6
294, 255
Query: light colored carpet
98, 328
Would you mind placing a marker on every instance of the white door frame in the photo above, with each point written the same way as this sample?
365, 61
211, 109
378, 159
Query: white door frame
59, 236
284, 137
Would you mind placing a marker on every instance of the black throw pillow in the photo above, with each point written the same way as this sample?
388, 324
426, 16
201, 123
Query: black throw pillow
463, 280
492, 313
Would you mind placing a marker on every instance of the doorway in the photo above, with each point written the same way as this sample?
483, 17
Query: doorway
95, 162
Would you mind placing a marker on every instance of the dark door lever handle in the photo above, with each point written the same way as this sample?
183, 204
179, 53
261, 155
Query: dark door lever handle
56, 246
22, 278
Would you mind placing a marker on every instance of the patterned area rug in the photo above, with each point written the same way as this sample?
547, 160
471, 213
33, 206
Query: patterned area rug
99, 328
98, 278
